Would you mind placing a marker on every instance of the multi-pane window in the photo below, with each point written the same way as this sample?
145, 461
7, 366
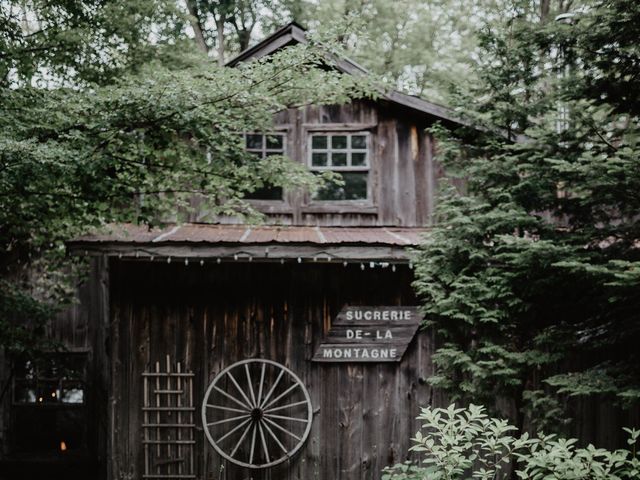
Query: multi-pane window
48, 403
263, 146
346, 154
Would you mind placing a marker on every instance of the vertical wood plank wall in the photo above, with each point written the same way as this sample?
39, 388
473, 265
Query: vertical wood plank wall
209, 317
403, 172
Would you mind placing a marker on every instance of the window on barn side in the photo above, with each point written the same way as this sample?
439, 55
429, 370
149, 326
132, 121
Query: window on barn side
48, 407
263, 146
346, 154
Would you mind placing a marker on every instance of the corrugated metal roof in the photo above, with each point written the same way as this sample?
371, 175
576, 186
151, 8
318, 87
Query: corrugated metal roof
255, 234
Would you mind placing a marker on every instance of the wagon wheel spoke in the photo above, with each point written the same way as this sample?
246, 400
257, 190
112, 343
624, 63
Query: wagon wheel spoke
228, 409
283, 394
251, 421
250, 383
273, 387
261, 384
282, 417
290, 405
264, 442
273, 435
282, 429
253, 445
244, 434
227, 420
234, 399
237, 427
244, 395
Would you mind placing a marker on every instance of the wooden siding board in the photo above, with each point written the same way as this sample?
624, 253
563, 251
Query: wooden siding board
285, 311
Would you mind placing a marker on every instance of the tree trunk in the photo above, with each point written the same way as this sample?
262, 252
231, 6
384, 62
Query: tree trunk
194, 19
220, 38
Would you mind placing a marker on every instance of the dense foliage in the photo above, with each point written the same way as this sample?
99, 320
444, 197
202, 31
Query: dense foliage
108, 113
459, 443
531, 278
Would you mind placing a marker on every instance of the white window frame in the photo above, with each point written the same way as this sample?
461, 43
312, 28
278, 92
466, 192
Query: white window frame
348, 168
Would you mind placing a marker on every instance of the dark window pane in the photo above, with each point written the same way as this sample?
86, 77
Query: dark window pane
354, 188
358, 141
254, 141
338, 159
24, 392
270, 192
355, 185
275, 142
319, 142
358, 159
339, 141
319, 159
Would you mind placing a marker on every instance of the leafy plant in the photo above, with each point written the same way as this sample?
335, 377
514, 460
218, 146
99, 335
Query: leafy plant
465, 443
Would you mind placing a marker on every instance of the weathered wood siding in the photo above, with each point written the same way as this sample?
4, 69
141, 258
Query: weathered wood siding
403, 172
210, 317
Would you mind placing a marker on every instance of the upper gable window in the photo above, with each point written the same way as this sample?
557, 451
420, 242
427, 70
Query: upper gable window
265, 145
346, 154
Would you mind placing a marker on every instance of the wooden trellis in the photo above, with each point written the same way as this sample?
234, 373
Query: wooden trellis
168, 428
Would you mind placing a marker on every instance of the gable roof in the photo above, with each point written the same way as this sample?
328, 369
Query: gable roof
293, 33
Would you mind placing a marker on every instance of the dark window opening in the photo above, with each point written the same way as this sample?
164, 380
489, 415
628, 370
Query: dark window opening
48, 410
263, 146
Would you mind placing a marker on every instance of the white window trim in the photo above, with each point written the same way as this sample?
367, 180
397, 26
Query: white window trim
349, 151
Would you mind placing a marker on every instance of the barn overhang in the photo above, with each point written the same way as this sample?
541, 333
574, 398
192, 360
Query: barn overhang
195, 242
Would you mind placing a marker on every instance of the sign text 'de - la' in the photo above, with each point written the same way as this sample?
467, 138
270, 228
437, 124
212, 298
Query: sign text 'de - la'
369, 334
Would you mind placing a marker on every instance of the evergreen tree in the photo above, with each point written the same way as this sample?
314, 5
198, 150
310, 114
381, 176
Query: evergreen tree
532, 277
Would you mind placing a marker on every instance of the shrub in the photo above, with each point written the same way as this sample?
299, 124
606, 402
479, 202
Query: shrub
465, 443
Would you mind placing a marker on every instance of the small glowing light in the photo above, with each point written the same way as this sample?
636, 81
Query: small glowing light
53, 394
63, 446
282, 261
372, 265
186, 261
393, 268
344, 264
201, 262
169, 260
299, 260
235, 257
40, 399
218, 261
151, 258
362, 266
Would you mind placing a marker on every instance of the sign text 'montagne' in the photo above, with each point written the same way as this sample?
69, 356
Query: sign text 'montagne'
369, 334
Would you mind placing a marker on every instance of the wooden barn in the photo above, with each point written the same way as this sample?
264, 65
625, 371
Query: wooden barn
289, 350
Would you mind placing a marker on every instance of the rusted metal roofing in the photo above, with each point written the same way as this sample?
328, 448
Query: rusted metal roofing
254, 234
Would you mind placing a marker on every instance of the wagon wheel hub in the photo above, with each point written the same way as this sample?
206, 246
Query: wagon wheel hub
257, 413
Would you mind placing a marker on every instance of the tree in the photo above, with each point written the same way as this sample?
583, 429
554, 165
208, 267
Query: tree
420, 47
531, 279
228, 25
131, 139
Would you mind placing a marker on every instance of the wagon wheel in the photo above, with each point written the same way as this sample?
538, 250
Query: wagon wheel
257, 413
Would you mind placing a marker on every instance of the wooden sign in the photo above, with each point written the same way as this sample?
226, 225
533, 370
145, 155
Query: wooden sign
369, 334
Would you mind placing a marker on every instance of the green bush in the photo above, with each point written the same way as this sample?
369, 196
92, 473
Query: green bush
465, 443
